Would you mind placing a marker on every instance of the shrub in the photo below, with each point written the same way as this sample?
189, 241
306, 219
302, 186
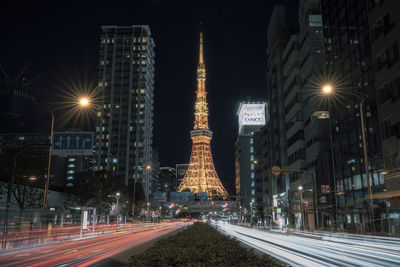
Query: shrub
200, 245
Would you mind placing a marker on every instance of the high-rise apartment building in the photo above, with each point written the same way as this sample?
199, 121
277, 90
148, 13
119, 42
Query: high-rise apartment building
124, 129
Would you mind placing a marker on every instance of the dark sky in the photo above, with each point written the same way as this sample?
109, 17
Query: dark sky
60, 39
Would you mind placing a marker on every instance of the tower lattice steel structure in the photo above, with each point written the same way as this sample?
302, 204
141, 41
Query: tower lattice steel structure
201, 175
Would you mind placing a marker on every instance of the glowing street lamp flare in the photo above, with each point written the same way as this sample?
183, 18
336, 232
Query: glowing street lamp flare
84, 102
327, 89
300, 187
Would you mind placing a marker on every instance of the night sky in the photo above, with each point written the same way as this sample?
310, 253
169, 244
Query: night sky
60, 39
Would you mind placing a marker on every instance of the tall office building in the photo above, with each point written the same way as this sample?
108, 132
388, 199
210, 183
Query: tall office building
124, 129
180, 171
299, 123
249, 183
278, 35
384, 28
348, 56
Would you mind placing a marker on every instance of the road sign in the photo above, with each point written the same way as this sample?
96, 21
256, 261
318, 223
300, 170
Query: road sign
203, 196
160, 196
181, 196
286, 170
76, 143
276, 170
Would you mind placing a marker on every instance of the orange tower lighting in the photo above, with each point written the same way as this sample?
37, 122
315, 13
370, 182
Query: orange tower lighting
201, 175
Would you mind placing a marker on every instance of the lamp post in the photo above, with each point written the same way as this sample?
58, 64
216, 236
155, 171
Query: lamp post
300, 188
148, 211
327, 90
117, 196
46, 186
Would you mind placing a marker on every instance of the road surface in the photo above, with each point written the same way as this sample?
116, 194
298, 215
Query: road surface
87, 250
318, 249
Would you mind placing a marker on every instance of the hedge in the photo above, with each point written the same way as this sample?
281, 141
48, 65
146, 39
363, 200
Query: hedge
200, 245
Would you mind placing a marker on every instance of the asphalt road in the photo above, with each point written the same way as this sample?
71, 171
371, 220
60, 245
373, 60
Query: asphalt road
88, 250
320, 249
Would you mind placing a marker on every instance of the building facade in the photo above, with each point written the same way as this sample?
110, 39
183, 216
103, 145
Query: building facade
249, 179
166, 181
348, 57
124, 129
384, 29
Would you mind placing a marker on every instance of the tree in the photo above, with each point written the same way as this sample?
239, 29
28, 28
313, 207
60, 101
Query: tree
94, 189
27, 192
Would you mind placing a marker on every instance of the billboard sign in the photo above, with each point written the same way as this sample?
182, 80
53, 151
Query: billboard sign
160, 196
251, 115
72, 143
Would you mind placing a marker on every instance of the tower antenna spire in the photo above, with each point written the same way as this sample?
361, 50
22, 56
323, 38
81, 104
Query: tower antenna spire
201, 56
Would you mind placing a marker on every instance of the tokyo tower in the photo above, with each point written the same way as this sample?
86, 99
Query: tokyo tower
201, 175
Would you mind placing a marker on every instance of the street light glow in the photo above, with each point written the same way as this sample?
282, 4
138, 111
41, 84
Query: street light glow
117, 194
327, 89
84, 101
300, 187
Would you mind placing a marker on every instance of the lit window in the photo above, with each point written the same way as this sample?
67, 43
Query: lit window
71, 171
71, 159
251, 149
251, 158
69, 178
21, 138
71, 165
251, 140
252, 166
115, 160
70, 185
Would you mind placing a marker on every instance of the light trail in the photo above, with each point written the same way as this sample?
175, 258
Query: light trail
321, 249
85, 252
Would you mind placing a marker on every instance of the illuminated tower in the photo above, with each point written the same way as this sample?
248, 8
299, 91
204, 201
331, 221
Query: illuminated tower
201, 175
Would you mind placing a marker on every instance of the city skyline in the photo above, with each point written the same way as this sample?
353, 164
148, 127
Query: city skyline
232, 58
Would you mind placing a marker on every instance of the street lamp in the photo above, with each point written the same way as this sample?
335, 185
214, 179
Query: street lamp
84, 102
117, 196
32, 178
326, 91
300, 188
148, 211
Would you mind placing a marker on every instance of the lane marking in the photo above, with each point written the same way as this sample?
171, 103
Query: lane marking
69, 252
22, 255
